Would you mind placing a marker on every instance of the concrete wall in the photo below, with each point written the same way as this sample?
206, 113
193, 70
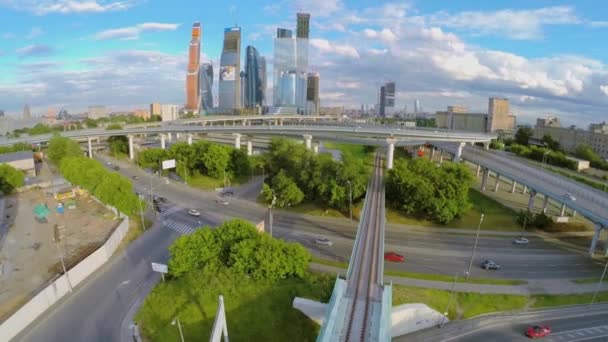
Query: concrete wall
59, 287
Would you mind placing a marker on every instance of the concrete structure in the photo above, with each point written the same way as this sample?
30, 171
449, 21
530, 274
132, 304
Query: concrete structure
580, 164
230, 70
499, 118
549, 121
96, 112
496, 119
570, 138
155, 109
22, 161
192, 75
169, 112
206, 86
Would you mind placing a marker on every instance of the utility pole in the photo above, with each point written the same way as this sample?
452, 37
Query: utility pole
141, 212
599, 284
274, 199
523, 231
474, 247
445, 314
179, 326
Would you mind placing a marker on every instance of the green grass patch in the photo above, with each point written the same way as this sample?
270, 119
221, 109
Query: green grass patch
316, 210
544, 301
425, 276
255, 310
358, 151
209, 183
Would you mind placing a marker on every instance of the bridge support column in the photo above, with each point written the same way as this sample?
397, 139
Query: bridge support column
98, 141
189, 139
513, 186
573, 213
478, 170
131, 154
308, 141
545, 204
458, 155
315, 149
440, 156
90, 147
432, 152
531, 201
249, 147
177, 135
525, 190
563, 210
497, 184
237, 140
163, 145
486, 145
484, 178
390, 153
170, 137
596, 236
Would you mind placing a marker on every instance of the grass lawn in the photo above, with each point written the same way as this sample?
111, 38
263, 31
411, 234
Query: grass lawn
543, 301
355, 150
255, 310
209, 183
425, 276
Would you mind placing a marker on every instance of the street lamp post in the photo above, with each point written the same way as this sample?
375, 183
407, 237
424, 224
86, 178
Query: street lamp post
544, 161
474, 247
350, 199
523, 230
445, 313
179, 326
141, 212
599, 284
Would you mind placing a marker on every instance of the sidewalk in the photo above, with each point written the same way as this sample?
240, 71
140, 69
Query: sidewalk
549, 286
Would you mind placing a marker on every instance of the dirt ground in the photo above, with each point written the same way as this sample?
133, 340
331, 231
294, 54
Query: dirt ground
29, 256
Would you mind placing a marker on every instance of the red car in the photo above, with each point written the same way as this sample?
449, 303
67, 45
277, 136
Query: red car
394, 257
538, 331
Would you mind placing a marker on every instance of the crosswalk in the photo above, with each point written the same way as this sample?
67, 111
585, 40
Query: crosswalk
179, 227
599, 333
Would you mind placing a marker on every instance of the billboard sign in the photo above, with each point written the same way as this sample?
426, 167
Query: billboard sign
228, 73
168, 164
160, 268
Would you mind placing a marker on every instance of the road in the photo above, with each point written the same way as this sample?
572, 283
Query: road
579, 323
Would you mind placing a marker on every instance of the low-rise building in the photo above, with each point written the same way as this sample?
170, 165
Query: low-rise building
22, 161
571, 137
96, 112
142, 113
169, 112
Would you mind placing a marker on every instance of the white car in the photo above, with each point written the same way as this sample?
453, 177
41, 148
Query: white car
521, 241
323, 242
194, 212
569, 196
224, 202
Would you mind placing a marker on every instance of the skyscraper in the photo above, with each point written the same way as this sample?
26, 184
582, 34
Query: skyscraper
192, 76
387, 100
302, 34
206, 85
303, 22
417, 109
312, 93
263, 74
255, 69
230, 66
26, 112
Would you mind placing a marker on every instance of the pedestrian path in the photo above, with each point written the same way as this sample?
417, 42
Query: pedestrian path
179, 227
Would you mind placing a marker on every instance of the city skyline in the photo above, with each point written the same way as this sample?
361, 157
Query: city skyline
69, 58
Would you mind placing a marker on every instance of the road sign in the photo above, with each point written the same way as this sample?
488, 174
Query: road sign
161, 268
168, 164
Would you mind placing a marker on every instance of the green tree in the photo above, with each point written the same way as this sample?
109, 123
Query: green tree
113, 126
523, 135
216, 160
285, 189
239, 163
119, 144
61, 147
90, 123
190, 252
10, 179
39, 129
550, 142
151, 158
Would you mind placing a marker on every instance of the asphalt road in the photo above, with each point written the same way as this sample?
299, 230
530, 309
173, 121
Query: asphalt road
580, 323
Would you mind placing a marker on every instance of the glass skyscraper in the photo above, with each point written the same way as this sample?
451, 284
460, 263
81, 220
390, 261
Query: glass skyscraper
230, 66
206, 85
254, 70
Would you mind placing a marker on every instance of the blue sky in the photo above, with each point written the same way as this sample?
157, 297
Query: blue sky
547, 57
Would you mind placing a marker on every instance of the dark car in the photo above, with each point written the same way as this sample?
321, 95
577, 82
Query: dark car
538, 331
228, 193
490, 265
116, 168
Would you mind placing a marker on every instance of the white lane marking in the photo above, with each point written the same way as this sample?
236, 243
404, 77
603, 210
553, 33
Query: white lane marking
124, 283
588, 338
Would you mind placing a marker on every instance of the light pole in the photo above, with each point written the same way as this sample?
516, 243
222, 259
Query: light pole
272, 203
474, 247
544, 162
179, 326
141, 212
445, 313
350, 199
599, 284
523, 230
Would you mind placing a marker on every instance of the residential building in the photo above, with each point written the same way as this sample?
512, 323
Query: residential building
254, 82
230, 66
570, 138
96, 112
142, 113
549, 121
206, 85
169, 112
387, 100
499, 118
192, 76
312, 93
155, 109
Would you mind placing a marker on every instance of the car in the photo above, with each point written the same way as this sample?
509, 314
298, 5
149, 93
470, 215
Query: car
569, 196
108, 163
194, 212
537, 331
521, 241
323, 242
490, 265
222, 201
135, 177
116, 168
228, 193
394, 257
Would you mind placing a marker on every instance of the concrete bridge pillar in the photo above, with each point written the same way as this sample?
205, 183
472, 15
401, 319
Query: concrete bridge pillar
237, 140
189, 139
484, 178
308, 141
497, 184
432, 152
478, 170
545, 204
573, 212
458, 154
563, 210
98, 141
531, 201
486, 145
177, 135
513, 186
390, 153
315, 149
525, 190
596, 236
163, 145
170, 136
249, 147
90, 147
440, 156
280, 122
131, 154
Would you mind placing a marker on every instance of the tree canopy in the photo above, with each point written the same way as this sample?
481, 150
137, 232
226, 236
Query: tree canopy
523, 135
10, 178
61, 147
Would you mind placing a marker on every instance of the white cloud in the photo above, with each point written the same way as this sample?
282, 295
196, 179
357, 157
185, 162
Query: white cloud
515, 24
34, 32
325, 46
385, 35
43, 7
604, 89
599, 24
133, 32
35, 50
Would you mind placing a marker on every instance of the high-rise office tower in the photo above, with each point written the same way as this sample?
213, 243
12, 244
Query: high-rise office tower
498, 115
254, 71
192, 76
230, 66
26, 112
417, 109
387, 100
303, 22
263, 75
302, 35
312, 93
206, 85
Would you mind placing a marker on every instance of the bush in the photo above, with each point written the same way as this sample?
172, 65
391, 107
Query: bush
10, 179
60, 147
540, 220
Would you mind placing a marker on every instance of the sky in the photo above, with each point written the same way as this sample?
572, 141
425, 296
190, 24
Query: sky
546, 57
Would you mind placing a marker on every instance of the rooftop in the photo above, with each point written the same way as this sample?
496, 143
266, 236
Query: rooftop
15, 156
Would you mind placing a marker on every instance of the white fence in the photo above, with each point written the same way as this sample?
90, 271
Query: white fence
60, 287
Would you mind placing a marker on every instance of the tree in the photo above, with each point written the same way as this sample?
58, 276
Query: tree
523, 135
10, 179
239, 163
216, 160
60, 147
119, 144
285, 189
151, 158
90, 123
550, 142
190, 252
114, 126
